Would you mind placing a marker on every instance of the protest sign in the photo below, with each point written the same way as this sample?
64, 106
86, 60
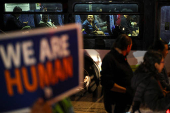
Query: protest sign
44, 63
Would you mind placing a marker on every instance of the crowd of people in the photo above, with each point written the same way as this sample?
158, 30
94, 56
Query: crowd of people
13, 23
93, 25
148, 86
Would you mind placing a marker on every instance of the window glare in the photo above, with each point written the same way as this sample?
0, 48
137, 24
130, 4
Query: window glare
164, 24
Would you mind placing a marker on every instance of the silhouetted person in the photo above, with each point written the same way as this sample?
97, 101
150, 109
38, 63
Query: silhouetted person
146, 82
90, 26
44, 22
125, 23
13, 23
162, 47
116, 76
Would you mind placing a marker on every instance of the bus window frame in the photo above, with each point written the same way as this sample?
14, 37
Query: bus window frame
140, 13
63, 12
68, 10
137, 40
106, 3
63, 2
159, 5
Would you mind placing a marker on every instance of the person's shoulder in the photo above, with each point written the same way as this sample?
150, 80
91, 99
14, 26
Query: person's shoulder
11, 17
85, 22
123, 18
95, 22
109, 56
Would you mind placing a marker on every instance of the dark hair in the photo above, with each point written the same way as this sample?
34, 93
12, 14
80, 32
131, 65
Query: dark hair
122, 42
158, 45
44, 15
17, 9
150, 58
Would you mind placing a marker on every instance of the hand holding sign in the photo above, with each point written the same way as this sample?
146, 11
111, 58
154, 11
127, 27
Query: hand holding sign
41, 107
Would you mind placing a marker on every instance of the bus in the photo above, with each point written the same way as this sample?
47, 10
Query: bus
148, 21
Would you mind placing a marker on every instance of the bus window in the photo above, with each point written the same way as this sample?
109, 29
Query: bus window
164, 24
108, 25
38, 7
21, 16
105, 7
103, 22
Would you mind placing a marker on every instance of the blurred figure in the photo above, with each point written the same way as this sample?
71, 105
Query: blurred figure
162, 47
63, 106
116, 76
116, 31
44, 22
125, 23
41, 107
26, 29
98, 9
44, 9
90, 26
13, 22
149, 91
101, 23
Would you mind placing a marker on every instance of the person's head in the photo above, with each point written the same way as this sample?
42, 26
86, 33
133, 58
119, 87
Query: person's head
45, 9
124, 43
153, 61
45, 18
161, 46
127, 11
17, 9
97, 9
90, 18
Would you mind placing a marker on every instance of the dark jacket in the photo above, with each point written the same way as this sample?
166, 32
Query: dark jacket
163, 77
148, 90
89, 28
115, 69
126, 24
13, 24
